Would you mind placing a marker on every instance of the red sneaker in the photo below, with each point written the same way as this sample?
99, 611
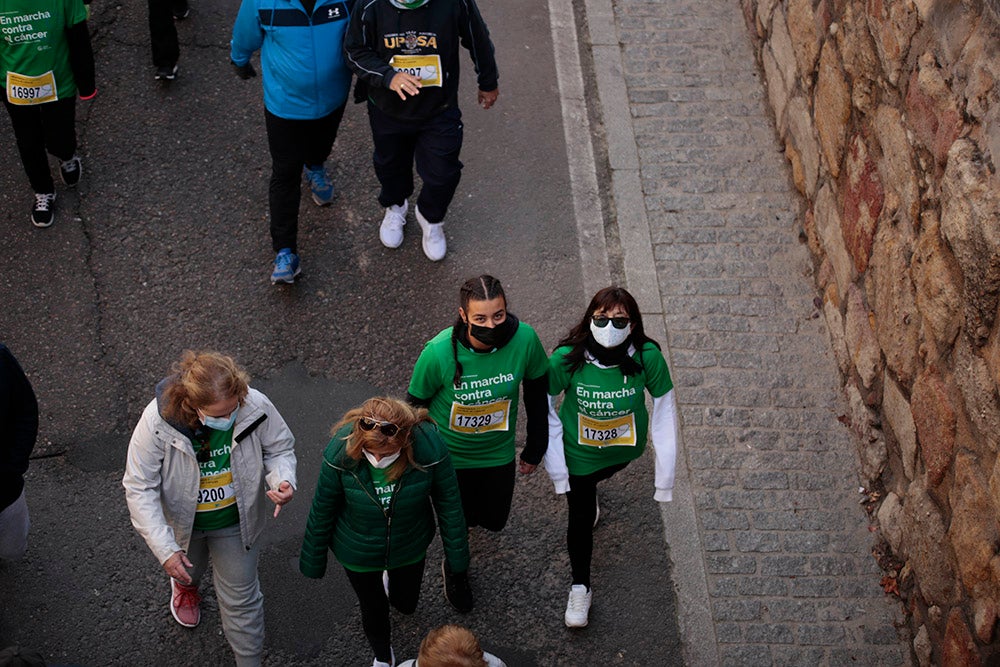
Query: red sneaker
185, 604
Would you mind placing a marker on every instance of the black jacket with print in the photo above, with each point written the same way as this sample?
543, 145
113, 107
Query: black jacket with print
379, 30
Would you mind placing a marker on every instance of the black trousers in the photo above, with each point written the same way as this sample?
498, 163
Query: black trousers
582, 500
433, 145
294, 144
162, 32
486, 495
404, 593
41, 129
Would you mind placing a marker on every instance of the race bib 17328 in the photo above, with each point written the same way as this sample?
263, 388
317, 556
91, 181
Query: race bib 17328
614, 432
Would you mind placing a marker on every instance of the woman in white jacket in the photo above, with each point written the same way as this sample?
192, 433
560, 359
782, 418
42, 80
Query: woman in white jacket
194, 481
604, 366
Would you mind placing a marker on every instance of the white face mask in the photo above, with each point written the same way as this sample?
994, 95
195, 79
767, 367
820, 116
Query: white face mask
382, 463
608, 335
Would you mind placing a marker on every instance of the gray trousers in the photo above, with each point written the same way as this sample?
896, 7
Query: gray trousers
14, 525
237, 588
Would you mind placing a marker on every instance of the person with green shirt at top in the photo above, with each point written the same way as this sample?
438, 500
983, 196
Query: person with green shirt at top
198, 463
603, 367
46, 60
385, 475
468, 376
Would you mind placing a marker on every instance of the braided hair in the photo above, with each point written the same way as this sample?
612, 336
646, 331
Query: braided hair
480, 288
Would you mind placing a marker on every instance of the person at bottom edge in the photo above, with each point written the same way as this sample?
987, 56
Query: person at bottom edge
198, 463
451, 646
385, 475
606, 356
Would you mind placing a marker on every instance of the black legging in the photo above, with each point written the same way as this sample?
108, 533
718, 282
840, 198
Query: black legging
404, 593
582, 500
486, 495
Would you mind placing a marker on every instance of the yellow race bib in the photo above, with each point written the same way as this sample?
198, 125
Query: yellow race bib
216, 492
425, 68
614, 432
479, 418
26, 90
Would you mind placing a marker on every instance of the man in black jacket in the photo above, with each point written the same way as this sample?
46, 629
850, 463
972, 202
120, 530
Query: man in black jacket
405, 53
18, 430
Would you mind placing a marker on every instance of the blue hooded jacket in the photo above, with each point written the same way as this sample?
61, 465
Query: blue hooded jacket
305, 76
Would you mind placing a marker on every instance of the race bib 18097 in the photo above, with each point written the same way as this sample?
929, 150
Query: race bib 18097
425, 68
614, 432
480, 418
39, 89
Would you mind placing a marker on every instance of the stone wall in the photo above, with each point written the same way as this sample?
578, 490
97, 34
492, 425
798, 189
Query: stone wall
889, 114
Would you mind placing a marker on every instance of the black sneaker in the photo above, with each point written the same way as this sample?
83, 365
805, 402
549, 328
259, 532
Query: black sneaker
71, 170
41, 213
166, 72
456, 588
181, 14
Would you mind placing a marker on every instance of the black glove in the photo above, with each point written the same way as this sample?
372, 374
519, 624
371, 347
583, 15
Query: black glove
245, 71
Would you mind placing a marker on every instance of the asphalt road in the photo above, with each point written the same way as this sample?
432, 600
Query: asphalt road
164, 246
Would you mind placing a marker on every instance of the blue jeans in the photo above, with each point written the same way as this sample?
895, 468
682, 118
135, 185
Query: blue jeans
237, 588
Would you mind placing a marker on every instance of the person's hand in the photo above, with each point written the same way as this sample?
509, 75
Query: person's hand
281, 496
244, 71
176, 566
404, 84
488, 98
526, 468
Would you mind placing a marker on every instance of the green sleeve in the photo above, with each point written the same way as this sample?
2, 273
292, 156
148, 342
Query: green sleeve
76, 12
448, 503
327, 501
658, 380
538, 363
426, 379
558, 377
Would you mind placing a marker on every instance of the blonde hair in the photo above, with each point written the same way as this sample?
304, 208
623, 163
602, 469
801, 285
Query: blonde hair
450, 646
202, 378
384, 408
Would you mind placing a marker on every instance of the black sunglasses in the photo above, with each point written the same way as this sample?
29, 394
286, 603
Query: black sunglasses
388, 429
617, 322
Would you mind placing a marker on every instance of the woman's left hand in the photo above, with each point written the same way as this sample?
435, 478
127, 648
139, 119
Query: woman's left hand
281, 496
526, 468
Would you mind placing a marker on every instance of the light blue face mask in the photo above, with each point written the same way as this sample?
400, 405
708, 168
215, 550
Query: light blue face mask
219, 423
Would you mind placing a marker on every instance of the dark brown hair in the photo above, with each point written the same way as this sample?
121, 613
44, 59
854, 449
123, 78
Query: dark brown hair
580, 339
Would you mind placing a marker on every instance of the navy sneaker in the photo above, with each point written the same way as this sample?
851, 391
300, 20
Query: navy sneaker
286, 267
319, 183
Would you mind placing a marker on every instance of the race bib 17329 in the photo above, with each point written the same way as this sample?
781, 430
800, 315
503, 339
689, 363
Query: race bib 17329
480, 418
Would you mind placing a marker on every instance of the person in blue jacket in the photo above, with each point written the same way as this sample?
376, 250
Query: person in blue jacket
306, 83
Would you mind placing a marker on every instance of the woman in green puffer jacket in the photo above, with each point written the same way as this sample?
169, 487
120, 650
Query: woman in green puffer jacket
385, 474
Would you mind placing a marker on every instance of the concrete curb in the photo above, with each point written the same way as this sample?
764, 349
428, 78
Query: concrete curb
698, 637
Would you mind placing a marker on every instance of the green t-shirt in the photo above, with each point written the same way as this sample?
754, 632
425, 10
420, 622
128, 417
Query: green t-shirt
603, 414
216, 496
34, 53
383, 487
477, 419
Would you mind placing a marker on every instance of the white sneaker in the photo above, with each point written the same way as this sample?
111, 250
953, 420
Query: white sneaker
391, 231
578, 606
435, 245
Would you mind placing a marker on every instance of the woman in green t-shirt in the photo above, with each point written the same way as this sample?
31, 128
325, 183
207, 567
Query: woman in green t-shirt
603, 367
468, 377
385, 476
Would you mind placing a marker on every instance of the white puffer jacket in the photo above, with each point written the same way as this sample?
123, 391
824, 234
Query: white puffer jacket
162, 474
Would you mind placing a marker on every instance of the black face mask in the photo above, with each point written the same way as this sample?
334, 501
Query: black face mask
498, 336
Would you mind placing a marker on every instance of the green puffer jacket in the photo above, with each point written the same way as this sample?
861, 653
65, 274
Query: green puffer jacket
347, 517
